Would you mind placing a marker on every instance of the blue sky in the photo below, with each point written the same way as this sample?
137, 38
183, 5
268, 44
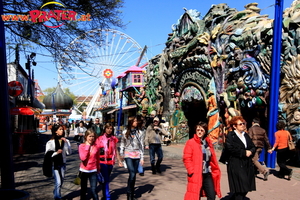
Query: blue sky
149, 23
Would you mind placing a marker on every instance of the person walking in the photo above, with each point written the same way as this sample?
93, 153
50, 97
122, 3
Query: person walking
79, 133
89, 166
132, 150
153, 141
68, 127
60, 148
107, 144
260, 139
200, 161
240, 167
90, 124
281, 144
97, 127
149, 120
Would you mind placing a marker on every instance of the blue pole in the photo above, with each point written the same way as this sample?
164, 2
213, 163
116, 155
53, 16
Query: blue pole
120, 113
6, 155
275, 78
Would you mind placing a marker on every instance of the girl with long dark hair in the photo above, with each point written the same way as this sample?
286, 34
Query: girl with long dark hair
107, 144
132, 150
60, 147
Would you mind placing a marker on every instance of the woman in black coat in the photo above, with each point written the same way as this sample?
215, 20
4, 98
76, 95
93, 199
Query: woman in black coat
240, 167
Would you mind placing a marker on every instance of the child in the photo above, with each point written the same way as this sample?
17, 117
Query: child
89, 167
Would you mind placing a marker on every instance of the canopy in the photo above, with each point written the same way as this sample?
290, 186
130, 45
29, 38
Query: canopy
27, 110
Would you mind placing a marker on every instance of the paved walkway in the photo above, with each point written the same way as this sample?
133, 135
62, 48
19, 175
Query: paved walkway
171, 184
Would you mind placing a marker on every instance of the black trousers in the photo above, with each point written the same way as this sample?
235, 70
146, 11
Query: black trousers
208, 186
282, 156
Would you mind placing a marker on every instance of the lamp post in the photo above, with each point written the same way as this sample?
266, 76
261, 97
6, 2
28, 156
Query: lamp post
120, 112
6, 156
275, 78
30, 59
53, 106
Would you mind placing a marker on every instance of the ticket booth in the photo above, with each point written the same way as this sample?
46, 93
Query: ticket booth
25, 128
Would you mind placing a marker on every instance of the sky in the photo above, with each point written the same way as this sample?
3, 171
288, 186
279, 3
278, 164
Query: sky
149, 23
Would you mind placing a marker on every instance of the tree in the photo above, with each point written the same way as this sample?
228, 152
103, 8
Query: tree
102, 13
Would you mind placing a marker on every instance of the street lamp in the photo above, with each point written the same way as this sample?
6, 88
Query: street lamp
53, 106
30, 59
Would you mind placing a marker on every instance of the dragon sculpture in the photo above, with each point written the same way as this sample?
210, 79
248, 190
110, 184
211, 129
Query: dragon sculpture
233, 49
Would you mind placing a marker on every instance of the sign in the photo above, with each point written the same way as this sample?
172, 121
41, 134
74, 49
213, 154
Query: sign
15, 88
39, 16
108, 73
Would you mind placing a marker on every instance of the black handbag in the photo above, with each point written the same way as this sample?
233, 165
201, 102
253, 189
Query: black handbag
225, 155
47, 164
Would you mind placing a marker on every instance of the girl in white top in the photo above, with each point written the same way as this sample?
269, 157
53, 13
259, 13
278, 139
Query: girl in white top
60, 146
132, 151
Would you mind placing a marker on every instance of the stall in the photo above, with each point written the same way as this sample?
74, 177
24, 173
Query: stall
26, 128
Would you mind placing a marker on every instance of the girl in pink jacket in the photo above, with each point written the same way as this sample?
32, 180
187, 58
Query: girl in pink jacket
89, 166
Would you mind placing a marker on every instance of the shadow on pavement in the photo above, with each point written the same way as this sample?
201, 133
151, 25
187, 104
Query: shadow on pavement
229, 196
148, 188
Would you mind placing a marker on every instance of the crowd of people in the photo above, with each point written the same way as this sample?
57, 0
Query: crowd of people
241, 153
98, 152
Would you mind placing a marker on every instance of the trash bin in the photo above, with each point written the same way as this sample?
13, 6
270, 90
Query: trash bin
11, 194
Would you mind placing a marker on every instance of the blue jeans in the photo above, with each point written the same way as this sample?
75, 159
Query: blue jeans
59, 175
155, 148
106, 171
93, 183
132, 166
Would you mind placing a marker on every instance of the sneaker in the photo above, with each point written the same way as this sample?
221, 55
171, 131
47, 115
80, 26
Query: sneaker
266, 175
290, 175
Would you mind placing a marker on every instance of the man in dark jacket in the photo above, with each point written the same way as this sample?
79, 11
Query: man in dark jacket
260, 140
97, 127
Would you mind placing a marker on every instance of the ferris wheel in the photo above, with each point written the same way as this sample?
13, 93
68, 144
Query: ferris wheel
88, 56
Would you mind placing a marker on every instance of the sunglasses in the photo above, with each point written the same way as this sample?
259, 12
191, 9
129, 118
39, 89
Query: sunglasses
201, 130
240, 124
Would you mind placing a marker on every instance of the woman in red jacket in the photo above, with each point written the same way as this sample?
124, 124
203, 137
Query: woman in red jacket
202, 166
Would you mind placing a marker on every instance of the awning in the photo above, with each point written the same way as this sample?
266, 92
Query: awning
128, 107
24, 111
59, 112
123, 108
112, 111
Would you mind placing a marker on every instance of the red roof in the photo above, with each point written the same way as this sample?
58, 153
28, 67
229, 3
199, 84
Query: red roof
131, 69
134, 69
121, 75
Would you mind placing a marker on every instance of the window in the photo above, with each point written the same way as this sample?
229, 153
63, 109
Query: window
137, 79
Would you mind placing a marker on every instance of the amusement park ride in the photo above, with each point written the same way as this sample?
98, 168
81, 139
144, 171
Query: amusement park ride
95, 64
